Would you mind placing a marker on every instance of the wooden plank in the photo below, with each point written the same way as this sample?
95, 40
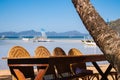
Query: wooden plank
57, 60
28, 61
73, 59
23, 65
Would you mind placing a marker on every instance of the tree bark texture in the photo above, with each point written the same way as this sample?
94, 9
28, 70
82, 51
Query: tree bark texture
107, 39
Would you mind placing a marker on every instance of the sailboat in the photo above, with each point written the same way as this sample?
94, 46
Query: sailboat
42, 38
89, 42
25, 39
2, 37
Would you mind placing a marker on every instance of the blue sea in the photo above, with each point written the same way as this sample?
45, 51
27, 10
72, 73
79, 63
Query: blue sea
65, 43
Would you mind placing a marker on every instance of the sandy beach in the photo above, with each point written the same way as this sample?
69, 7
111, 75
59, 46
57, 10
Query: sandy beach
6, 75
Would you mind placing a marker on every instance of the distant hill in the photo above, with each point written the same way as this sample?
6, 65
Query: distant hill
34, 33
115, 25
29, 33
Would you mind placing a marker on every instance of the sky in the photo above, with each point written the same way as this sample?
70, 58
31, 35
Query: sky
50, 15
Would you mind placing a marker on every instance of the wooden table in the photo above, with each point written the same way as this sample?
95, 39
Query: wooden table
34, 61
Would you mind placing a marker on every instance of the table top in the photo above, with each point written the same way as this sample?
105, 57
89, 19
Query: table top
56, 59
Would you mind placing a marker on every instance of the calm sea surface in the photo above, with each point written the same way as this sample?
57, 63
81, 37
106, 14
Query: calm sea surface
30, 46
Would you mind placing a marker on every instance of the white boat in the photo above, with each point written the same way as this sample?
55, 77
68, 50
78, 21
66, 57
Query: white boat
42, 38
2, 37
25, 39
89, 42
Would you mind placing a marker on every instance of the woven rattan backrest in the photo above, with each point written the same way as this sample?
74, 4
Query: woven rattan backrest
58, 51
75, 52
42, 51
18, 51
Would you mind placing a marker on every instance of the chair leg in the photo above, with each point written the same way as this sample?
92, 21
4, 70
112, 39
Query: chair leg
92, 77
114, 75
95, 76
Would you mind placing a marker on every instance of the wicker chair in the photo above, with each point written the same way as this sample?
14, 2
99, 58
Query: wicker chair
20, 73
63, 70
80, 68
42, 51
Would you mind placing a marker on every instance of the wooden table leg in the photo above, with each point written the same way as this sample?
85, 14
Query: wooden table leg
107, 72
19, 74
41, 73
104, 75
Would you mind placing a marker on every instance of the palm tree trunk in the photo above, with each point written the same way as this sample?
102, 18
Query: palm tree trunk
107, 39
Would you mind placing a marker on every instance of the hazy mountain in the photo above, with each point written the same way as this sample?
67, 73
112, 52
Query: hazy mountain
34, 33
29, 33
8, 33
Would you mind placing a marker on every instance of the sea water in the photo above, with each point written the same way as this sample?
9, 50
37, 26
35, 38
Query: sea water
30, 46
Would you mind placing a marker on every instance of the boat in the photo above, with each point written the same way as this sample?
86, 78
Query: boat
42, 38
2, 37
25, 39
89, 42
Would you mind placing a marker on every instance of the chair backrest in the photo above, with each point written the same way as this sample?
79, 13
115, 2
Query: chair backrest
61, 68
42, 51
17, 52
76, 65
58, 52
74, 51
